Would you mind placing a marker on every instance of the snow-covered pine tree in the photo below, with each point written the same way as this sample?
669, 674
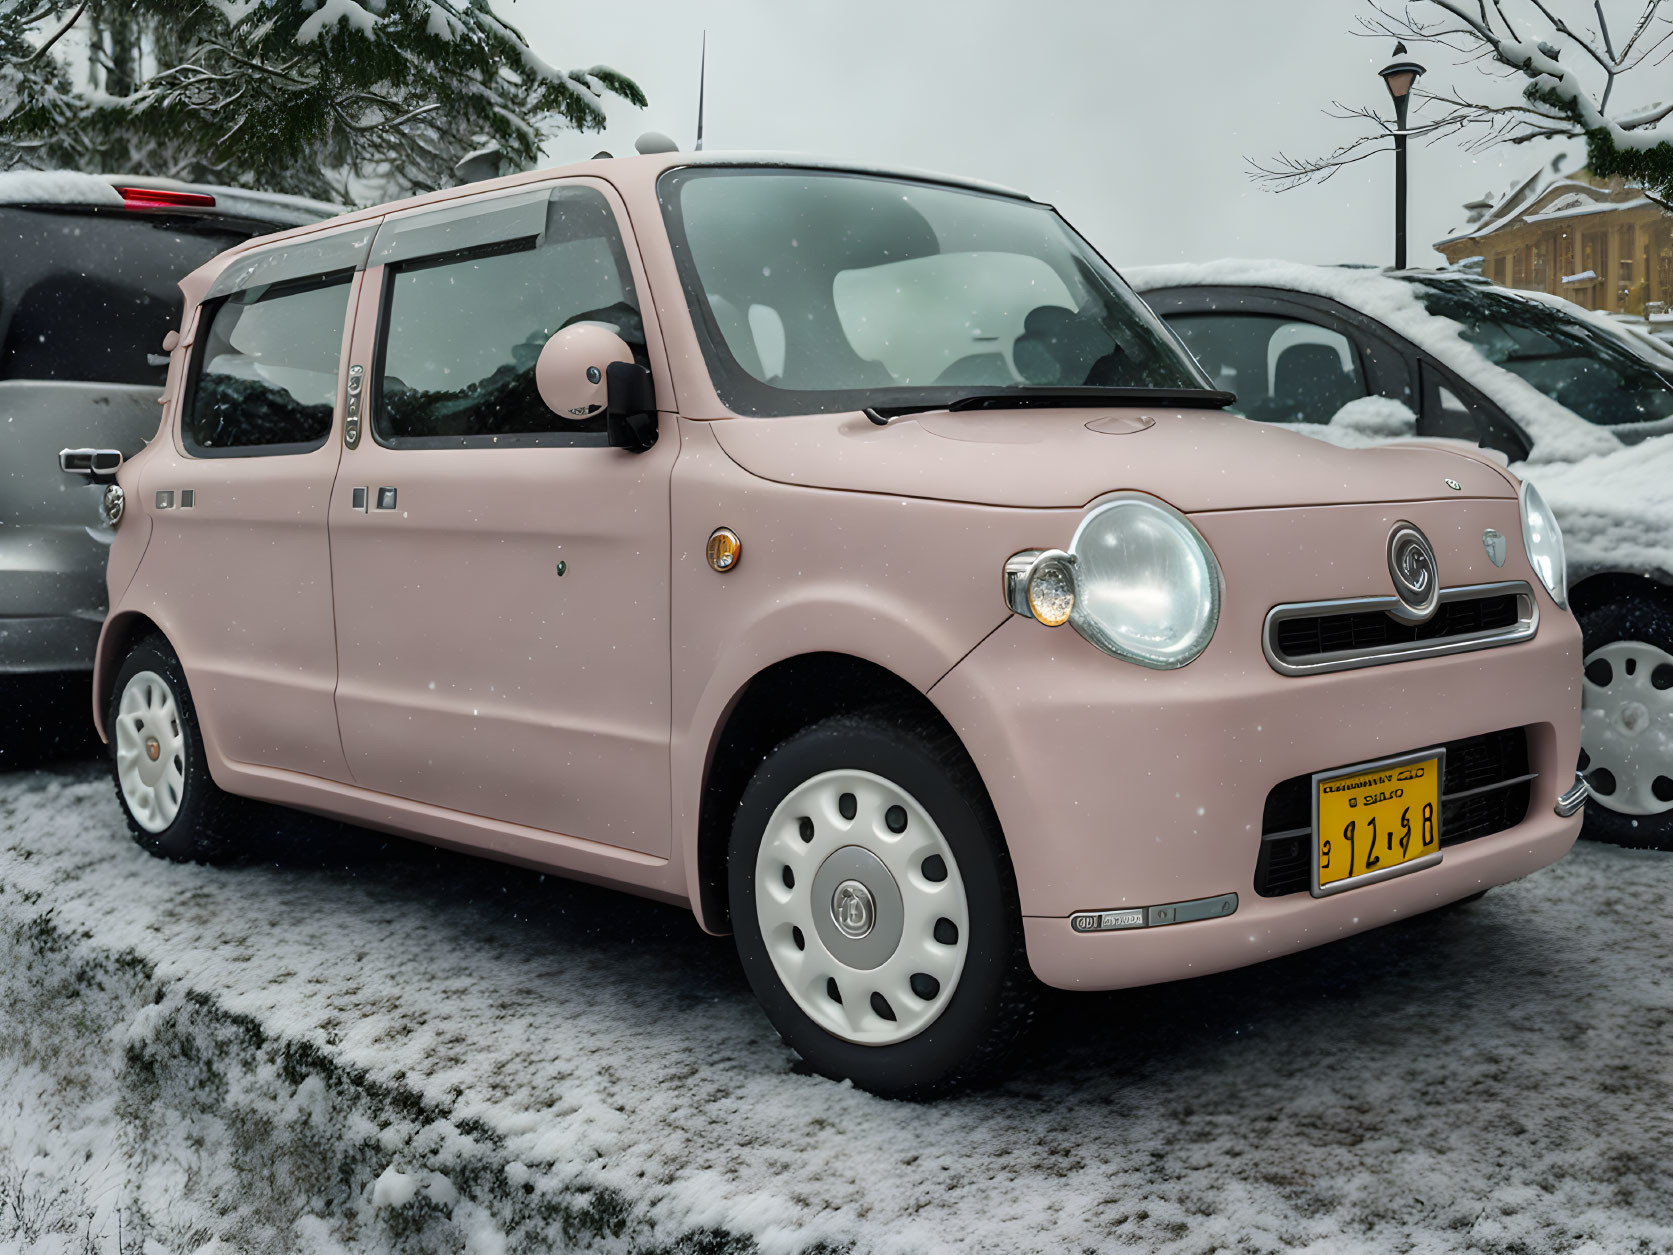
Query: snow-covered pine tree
346, 100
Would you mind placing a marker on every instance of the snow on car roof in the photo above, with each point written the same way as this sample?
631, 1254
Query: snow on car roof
56, 187
1614, 502
1391, 298
274, 207
71, 187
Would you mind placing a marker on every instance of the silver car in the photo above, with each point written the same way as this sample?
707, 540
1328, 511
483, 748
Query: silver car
89, 267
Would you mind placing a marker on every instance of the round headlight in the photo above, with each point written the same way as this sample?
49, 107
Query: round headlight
1147, 585
1544, 540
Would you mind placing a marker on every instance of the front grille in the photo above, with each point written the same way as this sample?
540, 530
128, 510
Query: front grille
1304, 638
1486, 789
1309, 635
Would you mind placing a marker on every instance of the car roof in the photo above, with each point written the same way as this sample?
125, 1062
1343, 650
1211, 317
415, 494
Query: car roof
72, 188
647, 168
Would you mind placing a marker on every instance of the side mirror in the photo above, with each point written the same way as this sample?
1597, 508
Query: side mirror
630, 416
98, 465
587, 369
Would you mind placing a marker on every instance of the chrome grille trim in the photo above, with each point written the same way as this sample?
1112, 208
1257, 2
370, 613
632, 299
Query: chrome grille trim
1527, 623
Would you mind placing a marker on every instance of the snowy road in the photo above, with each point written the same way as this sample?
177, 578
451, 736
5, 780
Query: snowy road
394, 1048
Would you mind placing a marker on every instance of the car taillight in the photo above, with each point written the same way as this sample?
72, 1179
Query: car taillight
164, 198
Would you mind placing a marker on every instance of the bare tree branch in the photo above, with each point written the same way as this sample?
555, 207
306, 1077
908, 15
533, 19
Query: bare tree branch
1553, 100
57, 34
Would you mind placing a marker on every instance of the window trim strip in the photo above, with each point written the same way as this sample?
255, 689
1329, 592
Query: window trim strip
292, 260
468, 225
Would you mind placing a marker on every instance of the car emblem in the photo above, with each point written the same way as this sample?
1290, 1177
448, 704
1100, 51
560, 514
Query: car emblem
152, 748
853, 909
1493, 541
1455, 485
1411, 563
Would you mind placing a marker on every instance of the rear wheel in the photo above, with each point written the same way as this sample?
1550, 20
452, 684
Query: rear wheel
174, 809
1626, 728
874, 908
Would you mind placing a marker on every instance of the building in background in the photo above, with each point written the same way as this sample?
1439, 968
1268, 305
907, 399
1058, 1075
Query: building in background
1598, 242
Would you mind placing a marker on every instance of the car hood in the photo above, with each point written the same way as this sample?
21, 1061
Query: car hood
1195, 460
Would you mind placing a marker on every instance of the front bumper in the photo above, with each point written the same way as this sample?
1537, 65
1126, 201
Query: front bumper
1122, 789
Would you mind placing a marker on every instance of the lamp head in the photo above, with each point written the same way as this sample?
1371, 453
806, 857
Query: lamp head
1400, 73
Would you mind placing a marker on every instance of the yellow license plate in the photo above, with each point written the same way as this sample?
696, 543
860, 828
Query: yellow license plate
1375, 821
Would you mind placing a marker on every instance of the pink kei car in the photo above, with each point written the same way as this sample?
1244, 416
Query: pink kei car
848, 556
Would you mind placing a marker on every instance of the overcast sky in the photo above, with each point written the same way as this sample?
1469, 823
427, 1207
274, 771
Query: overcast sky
1134, 117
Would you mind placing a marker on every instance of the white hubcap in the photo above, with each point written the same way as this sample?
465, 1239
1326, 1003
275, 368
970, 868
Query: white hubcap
1626, 727
861, 907
150, 751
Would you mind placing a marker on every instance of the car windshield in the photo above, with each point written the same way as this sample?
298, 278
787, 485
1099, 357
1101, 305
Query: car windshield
1577, 364
821, 291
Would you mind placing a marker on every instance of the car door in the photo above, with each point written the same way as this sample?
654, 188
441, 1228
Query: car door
240, 554
500, 573
1288, 357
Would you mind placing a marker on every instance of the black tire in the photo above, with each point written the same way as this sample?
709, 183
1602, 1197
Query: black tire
994, 999
1650, 622
208, 823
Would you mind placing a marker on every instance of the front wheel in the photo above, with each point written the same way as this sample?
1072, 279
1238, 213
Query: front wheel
1626, 722
874, 908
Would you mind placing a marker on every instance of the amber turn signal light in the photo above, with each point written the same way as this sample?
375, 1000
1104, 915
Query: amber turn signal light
724, 549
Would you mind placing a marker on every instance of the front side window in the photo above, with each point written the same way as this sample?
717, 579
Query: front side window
818, 291
267, 380
462, 332
1283, 370
1577, 364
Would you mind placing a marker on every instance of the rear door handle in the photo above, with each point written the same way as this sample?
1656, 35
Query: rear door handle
385, 498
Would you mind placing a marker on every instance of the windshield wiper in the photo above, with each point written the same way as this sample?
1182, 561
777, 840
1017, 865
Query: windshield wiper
1038, 398
1195, 398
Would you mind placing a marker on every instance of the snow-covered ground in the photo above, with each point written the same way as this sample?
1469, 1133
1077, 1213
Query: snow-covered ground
382, 1047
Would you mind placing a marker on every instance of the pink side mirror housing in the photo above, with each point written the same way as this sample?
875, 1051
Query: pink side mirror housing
572, 372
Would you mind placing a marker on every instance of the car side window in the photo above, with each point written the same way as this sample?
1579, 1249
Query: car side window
1451, 410
461, 331
268, 361
1283, 370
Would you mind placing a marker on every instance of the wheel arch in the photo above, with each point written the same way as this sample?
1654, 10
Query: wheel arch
772, 705
1602, 587
120, 632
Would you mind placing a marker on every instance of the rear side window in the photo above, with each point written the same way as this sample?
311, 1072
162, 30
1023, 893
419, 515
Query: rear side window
461, 332
267, 379
1283, 370
89, 296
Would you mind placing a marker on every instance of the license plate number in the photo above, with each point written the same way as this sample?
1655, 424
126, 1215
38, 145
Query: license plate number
1376, 820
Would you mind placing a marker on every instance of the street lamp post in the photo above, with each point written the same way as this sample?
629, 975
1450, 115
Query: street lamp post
1399, 75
